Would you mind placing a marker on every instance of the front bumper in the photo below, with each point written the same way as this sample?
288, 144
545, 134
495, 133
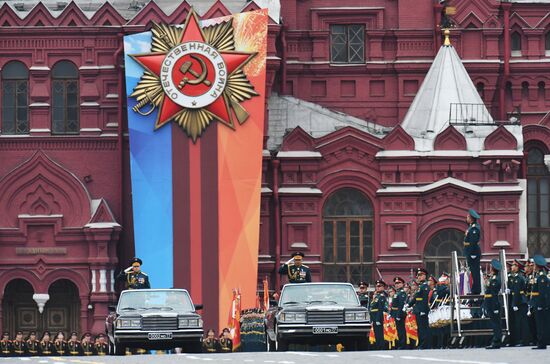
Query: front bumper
289, 331
138, 337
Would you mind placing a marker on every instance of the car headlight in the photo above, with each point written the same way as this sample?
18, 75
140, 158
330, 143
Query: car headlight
356, 316
186, 322
292, 317
128, 323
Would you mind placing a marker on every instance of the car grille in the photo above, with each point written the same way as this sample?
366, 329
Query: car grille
159, 323
325, 317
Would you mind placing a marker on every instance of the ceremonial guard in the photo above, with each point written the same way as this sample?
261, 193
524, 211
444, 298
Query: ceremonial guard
541, 301
46, 347
378, 306
363, 294
60, 344
492, 304
295, 270
226, 344
19, 345
530, 282
73, 345
210, 344
101, 347
5, 344
421, 309
133, 277
32, 344
88, 348
472, 252
517, 285
397, 311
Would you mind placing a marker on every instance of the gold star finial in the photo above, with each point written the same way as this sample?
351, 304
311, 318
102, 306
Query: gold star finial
447, 41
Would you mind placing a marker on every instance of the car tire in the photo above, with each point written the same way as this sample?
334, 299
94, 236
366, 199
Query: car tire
193, 348
269, 344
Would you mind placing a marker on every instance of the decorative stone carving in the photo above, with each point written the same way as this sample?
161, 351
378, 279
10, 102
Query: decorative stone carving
41, 299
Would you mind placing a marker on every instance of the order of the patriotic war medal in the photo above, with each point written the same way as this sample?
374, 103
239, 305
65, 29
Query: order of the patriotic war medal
193, 75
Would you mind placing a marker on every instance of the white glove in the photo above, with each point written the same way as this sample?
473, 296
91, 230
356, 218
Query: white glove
539, 308
515, 308
378, 323
529, 313
507, 290
128, 270
398, 318
289, 261
422, 313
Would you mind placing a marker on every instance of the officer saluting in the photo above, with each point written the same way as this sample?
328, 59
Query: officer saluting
541, 300
295, 270
133, 276
472, 252
19, 345
492, 304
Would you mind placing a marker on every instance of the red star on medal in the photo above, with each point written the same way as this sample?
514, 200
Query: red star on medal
219, 109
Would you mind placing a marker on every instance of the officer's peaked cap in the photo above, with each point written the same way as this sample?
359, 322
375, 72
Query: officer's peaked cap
539, 260
136, 260
473, 213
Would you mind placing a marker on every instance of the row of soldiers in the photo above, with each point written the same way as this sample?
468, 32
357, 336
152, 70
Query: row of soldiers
56, 346
211, 344
529, 306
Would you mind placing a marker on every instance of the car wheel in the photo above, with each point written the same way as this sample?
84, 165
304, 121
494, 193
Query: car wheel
193, 348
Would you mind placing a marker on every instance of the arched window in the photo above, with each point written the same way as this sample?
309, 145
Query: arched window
347, 237
538, 204
65, 108
547, 43
541, 91
516, 44
15, 98
525, 90
437, 254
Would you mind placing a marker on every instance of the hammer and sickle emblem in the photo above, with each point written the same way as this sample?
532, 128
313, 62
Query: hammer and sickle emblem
199, 78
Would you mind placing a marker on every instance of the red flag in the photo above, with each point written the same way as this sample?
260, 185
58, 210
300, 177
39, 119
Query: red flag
372, 338
411, 328
236, 333
258, 301
390, 330
266, 294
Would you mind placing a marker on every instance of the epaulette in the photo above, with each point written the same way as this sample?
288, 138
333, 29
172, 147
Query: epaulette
145, 274
303, 265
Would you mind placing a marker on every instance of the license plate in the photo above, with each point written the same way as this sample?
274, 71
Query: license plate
160, 336
325, 329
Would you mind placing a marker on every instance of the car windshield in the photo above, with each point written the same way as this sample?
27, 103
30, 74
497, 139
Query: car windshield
337, 294
144, 300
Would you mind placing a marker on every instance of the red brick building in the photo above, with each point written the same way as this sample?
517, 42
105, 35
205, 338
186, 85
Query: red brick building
342, 181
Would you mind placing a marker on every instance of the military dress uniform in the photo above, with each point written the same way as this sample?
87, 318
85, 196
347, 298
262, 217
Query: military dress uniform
472, 252
364, 298
88, 348
210, 345
60, 347
46, 348
421, 310
19, 348
74, 348
226, 345
101, 348
399, 314
541, 301
6, 347
517, 284
378, 306
296, 273
32, 345
134, 280
492, 305
531, 323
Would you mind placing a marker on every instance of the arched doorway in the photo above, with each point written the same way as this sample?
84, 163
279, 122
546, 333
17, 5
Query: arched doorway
19, 310
62, 311
437, 254
347, 237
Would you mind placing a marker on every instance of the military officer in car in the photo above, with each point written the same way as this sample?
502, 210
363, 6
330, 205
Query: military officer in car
296, 271
133, 277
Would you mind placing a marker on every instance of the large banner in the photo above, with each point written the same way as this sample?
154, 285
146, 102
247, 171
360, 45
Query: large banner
196, 119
